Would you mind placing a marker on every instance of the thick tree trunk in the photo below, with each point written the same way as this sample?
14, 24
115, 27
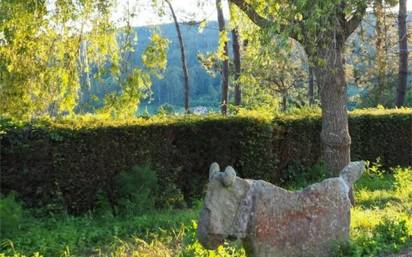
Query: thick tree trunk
225, 68
236, 60
335, 133
403, 54
183, 58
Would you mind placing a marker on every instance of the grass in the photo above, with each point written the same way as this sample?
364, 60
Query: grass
382, 217
381, 223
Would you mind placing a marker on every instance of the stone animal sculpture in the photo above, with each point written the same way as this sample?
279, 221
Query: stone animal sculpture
272, 221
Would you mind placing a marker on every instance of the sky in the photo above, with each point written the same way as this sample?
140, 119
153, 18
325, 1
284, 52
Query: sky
185, 10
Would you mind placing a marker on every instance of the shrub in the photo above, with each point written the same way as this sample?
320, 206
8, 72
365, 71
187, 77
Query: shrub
166, 109
136, 189
403, 182
387, 237
11, 213
391, 234
299, 176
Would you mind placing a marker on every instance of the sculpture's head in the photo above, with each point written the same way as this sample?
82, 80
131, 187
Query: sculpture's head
225, 191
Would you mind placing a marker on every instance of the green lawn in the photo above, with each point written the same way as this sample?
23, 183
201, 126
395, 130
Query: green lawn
381, 222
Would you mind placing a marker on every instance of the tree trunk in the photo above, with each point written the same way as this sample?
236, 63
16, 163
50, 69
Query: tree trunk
380, 55
335, 133
225, 68
403, 54
183, 58
311, 96
236, 60
284, 102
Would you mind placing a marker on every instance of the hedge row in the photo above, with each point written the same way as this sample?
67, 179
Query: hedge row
375, 133
75, 160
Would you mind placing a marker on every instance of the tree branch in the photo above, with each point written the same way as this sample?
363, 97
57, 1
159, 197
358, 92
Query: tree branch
263, 22
353, 23
252, 14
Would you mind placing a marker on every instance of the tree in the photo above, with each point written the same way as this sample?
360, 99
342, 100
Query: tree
54, 55
403, 54
311, 86
183, 58
223, 53
380, 50
236, 58
322, 27
237, 63
372, 56
277, 71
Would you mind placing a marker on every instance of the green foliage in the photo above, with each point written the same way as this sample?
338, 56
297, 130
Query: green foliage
137, 189
11, 214
192, 248
374, 168
93, 151
166, 109
403, 178
170, 196
381, 220
298, 176
304, 111
387, 237
42, 159
370, 67
88, 235
155, 55
272, 72
52, 54
391, 234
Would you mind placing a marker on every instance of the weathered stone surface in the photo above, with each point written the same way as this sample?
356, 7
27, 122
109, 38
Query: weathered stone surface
272, 221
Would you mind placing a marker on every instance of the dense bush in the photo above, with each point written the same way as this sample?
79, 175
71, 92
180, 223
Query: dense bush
76, 159
136, 189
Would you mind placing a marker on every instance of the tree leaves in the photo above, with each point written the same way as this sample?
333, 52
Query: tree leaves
48, 54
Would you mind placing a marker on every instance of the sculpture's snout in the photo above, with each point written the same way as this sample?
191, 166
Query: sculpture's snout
206, 237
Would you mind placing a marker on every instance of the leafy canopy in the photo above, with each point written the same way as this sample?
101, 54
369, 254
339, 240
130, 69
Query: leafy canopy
50, 53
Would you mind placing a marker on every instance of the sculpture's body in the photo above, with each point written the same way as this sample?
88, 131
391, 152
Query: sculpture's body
274, 222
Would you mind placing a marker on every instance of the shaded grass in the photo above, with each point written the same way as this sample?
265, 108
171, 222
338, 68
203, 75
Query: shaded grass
51, 236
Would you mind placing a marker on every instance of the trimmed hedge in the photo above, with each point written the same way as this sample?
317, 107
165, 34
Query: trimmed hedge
39, 161
74, 160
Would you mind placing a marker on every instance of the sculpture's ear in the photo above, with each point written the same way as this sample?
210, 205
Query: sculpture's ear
214, 167
229, 176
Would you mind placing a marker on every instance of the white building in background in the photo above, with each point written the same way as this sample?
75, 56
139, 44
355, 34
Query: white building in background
199, 110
